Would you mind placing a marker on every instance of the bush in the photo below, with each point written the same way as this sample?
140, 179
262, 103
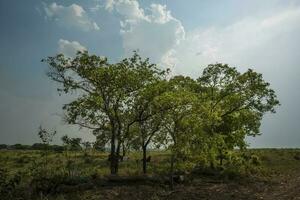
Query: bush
49, 180
57, 148
44, 180
20, 147
23, 159
230, 173
8, 185
38, 146
255, 160
297, 156
87, 160
46, 185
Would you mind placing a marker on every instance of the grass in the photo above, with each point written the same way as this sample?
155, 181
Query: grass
87, 163
276, 160
276, 165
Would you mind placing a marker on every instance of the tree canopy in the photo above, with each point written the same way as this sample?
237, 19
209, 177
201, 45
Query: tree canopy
133, 104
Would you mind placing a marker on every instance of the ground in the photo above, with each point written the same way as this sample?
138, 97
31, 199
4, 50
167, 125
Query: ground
279, 178
285, 188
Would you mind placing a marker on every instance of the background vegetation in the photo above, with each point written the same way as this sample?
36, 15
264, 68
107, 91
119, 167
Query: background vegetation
171, 130
84, 175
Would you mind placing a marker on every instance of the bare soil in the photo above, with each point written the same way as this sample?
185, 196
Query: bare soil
277, 187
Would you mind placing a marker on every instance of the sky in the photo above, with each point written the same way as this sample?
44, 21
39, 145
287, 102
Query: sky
184, 36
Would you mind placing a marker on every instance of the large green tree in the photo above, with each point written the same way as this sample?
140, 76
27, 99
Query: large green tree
236, 103
131, 103
105, 93
149, 116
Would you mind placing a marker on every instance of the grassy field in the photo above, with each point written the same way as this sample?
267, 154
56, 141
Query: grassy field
85, 175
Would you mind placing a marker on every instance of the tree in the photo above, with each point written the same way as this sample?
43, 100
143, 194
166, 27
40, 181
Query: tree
72, 143
180, 103
38, 146
46, 138
236, 103
101, 141
131, 104
87, 145
106, 93
75, 143
148, 116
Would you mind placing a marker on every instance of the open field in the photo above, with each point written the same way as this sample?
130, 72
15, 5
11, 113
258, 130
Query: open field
149, 100
80, 175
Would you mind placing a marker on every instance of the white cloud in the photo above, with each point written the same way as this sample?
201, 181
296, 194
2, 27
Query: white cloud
160, 14
69, 48
128, 9
242, 43
159, 35
70, 16
154, 34
109, 5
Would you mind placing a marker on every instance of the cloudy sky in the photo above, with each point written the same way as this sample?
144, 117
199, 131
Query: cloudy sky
182, 35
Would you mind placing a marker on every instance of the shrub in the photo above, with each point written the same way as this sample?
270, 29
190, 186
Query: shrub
8, 185
23, 159
255, 160
297, 156
46, 185
87, 160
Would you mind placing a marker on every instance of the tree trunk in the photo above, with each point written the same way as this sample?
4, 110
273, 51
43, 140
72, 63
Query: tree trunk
221, 156
123, 150
172, 172
212, 165
117, 157
144, 159
221, 161
112, 153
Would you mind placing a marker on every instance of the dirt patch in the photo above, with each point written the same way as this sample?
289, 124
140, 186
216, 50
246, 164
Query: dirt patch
285, 189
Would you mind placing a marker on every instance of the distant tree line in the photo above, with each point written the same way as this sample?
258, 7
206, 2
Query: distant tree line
74, 144
35, 146
133, 104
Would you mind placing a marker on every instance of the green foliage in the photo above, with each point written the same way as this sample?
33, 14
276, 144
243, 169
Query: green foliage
109, 92
46, 136
36, 181
19, 147
8, 184
132, 105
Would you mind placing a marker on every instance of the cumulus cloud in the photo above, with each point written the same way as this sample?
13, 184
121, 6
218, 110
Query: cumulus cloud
70, 16
128, 9
70, 48
159, 35
153, 33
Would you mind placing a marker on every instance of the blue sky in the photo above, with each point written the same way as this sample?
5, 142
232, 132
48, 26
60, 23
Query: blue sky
182, 35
